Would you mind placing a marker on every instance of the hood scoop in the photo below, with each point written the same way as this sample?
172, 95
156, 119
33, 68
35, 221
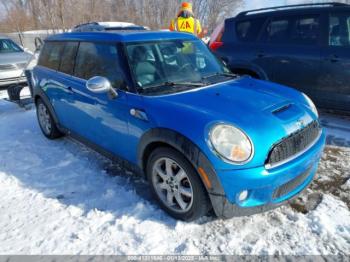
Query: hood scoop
281, 109
287, 111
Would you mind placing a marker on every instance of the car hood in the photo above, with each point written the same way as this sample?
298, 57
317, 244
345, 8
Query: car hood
236, 98
266, 112
14, 58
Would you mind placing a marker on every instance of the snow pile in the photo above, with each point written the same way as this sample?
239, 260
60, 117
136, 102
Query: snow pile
58, 197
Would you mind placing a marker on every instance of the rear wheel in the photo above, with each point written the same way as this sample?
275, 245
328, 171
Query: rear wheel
46, 122
176, 185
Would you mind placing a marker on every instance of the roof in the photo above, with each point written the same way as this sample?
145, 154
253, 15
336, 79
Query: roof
121, 36
297, 8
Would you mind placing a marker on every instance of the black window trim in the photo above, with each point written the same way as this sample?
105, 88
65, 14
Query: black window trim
125, 67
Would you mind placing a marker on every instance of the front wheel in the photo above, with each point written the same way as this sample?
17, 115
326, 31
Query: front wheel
46, 121
176, 185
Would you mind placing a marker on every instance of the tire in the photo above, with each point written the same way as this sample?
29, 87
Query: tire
46, 121
14, 92
171, 175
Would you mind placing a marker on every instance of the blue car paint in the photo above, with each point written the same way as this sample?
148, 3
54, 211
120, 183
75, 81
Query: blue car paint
245, 103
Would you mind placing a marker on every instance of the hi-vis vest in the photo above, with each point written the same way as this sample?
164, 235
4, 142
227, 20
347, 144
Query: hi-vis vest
189, 25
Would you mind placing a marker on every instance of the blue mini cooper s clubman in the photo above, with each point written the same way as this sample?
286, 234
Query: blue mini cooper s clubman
162, 102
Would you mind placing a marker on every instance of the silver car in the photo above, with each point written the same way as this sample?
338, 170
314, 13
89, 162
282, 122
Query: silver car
13, 60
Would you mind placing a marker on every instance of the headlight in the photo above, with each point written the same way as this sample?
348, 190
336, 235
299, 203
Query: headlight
311, 104
231, 143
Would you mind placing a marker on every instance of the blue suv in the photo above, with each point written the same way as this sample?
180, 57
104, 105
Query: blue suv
306, 47
162, 103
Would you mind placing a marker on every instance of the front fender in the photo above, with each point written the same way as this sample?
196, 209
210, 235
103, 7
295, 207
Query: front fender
39, 93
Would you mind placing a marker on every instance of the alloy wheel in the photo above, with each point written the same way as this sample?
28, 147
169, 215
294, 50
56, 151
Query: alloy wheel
44, 119
172, 185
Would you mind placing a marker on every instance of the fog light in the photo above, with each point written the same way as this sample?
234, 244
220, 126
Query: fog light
243, 195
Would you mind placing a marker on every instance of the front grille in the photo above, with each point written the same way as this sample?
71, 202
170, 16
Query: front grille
291, 185
293, 144
7, 67
13, 79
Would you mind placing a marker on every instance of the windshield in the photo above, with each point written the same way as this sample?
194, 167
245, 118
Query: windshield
8, 46
173, 64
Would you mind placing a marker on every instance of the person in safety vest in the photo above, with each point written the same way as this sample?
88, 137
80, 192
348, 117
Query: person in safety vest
186, 22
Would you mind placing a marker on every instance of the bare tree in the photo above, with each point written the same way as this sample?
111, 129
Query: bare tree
64, 14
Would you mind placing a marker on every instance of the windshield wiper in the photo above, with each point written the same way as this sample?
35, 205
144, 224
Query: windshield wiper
160, 86
177, 84
220, 74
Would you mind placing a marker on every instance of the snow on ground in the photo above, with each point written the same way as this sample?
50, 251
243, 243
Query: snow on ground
59, 197
24, 93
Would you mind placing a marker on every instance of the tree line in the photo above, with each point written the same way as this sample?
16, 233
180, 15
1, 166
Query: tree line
24, 15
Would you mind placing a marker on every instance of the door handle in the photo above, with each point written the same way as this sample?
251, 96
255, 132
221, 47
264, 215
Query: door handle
70, 89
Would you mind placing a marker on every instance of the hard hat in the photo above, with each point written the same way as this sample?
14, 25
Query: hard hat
186, 6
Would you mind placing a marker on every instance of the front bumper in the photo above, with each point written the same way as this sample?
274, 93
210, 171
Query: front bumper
267, 188
8, 78
4, 83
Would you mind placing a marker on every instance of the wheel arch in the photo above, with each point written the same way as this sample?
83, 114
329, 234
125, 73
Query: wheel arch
39, 94
251, 70
165, 137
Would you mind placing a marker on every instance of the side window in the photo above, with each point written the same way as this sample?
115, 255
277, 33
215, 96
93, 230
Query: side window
51, 55
276, 31
339, 30
68, 57
95, 59
44, 54
305, 31
247, 31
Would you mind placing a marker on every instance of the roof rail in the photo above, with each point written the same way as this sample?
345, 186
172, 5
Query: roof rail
88, 23
291, 6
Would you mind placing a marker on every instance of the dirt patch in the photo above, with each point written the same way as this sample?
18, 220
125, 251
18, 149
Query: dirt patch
333, 177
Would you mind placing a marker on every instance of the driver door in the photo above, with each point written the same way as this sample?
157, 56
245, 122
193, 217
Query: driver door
98, 118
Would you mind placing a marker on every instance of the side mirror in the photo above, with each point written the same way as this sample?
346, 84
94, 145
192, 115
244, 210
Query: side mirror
99, 85
38, 43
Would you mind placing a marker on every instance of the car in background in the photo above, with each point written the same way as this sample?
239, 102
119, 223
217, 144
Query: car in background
13, 61
164, 104
107, 26
302, 46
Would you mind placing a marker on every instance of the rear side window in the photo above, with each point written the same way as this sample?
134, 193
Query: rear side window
298, 30
276, 31
247, 31
305, 31
51, 55
68, 57
96, 59
339, 30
